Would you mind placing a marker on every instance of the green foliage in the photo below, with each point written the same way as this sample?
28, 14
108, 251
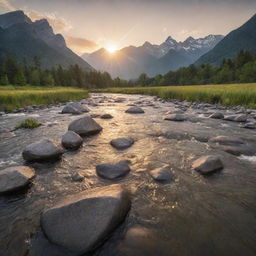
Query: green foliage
229, 95
21, 74
28, 123
237, 70
12, 97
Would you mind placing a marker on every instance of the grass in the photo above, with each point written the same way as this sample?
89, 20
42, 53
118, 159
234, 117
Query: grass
28, 123
13, 97
227, 95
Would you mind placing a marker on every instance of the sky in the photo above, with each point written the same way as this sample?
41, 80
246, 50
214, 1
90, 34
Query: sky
88, 25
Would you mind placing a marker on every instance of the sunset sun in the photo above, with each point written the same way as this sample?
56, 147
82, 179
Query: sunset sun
111, 48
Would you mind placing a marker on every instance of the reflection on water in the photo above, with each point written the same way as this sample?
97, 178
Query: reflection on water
191, 216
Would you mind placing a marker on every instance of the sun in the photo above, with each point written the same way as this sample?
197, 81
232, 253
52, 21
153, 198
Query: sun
111, 48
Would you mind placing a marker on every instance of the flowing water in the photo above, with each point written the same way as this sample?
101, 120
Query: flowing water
194, 215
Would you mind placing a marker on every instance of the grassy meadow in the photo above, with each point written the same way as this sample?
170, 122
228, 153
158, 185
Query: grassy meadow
14, 97
225, 94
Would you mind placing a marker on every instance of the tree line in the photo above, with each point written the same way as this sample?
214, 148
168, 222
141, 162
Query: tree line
241, 69
16, 73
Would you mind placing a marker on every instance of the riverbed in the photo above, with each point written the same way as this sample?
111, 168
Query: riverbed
192, 215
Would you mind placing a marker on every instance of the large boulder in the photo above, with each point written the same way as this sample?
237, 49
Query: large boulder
85, 126
43, 150
162, 174
135, 110
122, 143
113, 170
82, 222
74, 108
71, 140
175, 117
15, 178
207, 164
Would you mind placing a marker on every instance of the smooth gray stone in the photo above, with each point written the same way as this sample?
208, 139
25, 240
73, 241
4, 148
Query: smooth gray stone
85, 126
15, 178
217, 115
162, 174
207, 164
175, 117
43, 150
113, 171
135, 110
71, 140
82, 222
122, 143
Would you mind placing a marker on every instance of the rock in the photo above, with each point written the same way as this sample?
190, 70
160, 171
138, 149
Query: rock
43, 150
239, 150
113, 170
78, 177
241, 118
106, 116
207, 164
74, 108
236, 118
226, 140
85, 126
135, 110
162, 174
71, 140
140, 241
233, 146
122, 143
249, 126
217, 115
82, 222
175, 117
15, 178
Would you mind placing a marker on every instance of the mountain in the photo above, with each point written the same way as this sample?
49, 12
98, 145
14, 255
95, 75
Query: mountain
152, 59
22, 38
243, 38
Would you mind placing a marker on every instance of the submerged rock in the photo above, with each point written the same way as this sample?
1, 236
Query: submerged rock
82, 222
162, 174
15, 178
236, 118
71, 140
106, 116
249, 126
135, 110
233, 145
226, 140
85, 126
122, 143
113, 170
74, 108
43, 150
207, 164
217, 115
175, 117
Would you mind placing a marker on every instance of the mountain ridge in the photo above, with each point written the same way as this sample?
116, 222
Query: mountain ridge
242, 38
21, 38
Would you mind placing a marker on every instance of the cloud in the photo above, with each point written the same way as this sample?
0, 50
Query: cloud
58, 24
81, 45
7, 5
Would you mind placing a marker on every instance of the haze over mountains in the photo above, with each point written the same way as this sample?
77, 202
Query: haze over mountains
151, 59
22, 38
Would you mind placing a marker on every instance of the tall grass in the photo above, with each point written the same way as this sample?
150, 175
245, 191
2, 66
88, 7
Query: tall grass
12, 97
227, 95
